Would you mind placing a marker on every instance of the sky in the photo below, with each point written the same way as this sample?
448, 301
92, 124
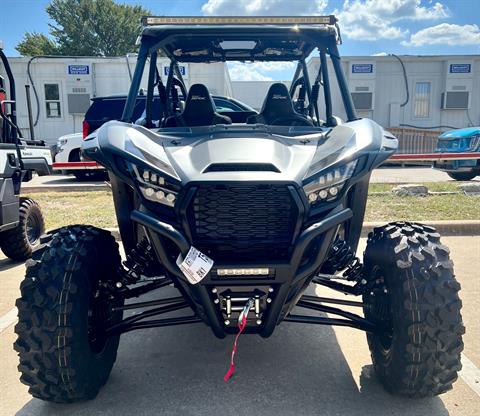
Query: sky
369, 27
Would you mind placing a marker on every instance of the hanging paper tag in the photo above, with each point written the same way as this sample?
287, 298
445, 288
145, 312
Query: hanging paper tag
195, 266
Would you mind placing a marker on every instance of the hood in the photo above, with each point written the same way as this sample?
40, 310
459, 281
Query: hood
242, 156
460, 133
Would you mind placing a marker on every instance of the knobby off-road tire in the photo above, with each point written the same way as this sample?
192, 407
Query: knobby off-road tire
416, 298
18, 243
64, 353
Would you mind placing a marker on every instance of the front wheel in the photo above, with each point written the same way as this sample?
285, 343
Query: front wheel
462, 176
414, 298
18, 243
63, 313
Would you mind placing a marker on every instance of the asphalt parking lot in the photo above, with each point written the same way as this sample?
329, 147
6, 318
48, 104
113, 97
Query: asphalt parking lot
300, 370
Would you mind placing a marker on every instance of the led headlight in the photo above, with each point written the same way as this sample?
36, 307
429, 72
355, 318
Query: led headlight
473, 143
155, 187
61, 142
329, 184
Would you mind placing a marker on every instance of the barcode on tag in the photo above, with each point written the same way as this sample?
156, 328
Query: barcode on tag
195, 266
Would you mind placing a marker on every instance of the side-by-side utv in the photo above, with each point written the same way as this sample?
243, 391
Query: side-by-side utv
241, 218
21, 221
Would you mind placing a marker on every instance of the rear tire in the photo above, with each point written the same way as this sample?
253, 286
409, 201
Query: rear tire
18, 243
64, 353
414, 295
462, 176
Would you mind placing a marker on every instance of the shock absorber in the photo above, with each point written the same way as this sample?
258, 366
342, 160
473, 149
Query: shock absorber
141, 261
342, 257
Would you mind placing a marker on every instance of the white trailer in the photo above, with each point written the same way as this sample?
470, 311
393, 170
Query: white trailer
62, 87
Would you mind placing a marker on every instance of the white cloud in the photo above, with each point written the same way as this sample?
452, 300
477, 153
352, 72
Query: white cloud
380, 54
256, 71
376, 19
238, 72
446, 34
368, 20
263, 7
271, 66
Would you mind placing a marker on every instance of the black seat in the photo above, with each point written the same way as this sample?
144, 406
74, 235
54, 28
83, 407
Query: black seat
199, 110
278, 109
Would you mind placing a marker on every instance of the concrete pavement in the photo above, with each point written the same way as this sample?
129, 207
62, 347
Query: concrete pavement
300, 370
61, 183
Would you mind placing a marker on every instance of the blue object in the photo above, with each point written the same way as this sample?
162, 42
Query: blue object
460, 68
362, 68
78, 69
458, 141
460, 133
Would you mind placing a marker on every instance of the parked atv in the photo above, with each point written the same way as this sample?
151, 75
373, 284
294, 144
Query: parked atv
21, 221
241, 219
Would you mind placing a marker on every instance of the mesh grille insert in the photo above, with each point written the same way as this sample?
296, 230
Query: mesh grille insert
243, 222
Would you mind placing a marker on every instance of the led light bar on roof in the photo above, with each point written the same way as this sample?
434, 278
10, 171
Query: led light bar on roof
238, 20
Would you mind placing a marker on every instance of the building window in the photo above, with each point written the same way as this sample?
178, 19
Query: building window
422, 99
52, 100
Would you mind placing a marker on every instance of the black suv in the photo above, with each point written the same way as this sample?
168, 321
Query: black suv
111, 107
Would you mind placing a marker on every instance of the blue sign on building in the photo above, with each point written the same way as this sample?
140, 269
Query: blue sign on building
460, 68
362, 68
166, 70
78, 69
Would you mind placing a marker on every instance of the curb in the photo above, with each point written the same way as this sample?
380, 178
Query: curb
444, 228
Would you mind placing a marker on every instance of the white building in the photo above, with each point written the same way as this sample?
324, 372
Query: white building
435, 92
64, 86
443, 91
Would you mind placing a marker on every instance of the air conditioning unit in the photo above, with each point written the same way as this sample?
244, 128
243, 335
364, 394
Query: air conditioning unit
455, 100
362, 100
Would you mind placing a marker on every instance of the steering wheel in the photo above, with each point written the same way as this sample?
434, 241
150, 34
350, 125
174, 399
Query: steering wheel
292, 120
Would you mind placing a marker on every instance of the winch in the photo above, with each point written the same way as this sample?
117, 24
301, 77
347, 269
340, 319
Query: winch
231, 301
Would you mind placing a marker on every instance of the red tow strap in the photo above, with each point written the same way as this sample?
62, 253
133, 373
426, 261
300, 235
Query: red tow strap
241, 327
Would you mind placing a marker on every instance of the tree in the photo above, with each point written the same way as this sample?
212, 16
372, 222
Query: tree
34, 43
86, 28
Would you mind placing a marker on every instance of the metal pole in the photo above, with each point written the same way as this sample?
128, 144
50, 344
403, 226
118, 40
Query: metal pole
134, 87
13, 97
308, 87
326, 90
29, 110
342, 83
151, 82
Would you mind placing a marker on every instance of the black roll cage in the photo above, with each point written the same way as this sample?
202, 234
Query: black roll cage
149, 50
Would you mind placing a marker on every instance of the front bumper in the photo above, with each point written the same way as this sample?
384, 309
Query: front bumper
456, 165
277, 293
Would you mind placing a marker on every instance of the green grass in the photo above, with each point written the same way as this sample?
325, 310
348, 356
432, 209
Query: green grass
67, 208
429, 208
96, 207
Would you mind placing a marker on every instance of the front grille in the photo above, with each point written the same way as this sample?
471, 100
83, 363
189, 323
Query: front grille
243, 222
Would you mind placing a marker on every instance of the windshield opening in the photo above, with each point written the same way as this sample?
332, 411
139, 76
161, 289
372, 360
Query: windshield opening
191, 101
